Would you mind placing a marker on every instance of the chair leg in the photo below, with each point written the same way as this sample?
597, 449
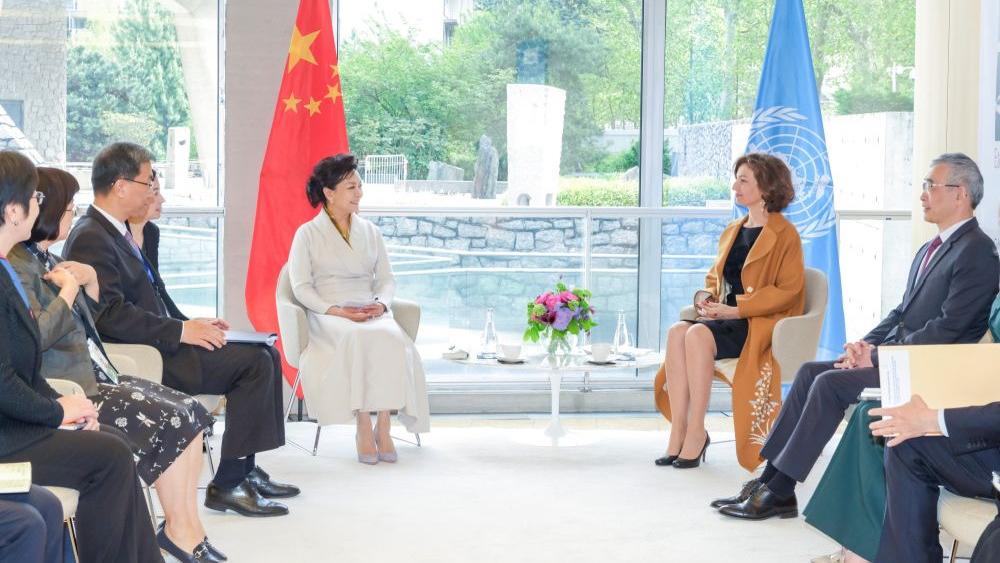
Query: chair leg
954, 552
316, 441
148, 489
418, 440
208, 454
71, 528
291, 400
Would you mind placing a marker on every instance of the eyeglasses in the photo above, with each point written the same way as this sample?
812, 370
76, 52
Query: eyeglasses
149, 185
927, 186
39, 197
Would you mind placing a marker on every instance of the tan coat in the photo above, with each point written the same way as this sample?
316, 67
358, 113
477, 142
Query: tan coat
774, 280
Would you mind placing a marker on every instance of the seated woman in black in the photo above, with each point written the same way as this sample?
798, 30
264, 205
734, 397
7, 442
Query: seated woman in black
163, 425
112, 519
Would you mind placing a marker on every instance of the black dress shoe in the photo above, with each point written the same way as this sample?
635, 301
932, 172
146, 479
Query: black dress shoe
762, 505
665, 460
682, 463
213, 554
268, 488
200, 554
242, 499
748, 489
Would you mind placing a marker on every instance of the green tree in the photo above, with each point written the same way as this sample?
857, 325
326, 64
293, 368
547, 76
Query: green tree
94, 87
146, 49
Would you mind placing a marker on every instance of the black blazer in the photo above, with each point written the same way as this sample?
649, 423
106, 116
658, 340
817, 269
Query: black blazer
29, 411
151, 248
950, 303
971, 429
132, 313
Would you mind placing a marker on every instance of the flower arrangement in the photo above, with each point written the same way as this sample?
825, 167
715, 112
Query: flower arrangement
557, 314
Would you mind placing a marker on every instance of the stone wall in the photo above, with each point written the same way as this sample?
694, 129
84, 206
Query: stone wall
458, 266
33, 67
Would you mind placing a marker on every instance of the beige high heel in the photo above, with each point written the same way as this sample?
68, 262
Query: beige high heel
367, 459
388, 457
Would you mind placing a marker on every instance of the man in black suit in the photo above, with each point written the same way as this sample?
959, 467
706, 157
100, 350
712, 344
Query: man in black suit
952, 282
196, 357
917, 464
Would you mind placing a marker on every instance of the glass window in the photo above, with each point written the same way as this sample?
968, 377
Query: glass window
76, 76
518, 103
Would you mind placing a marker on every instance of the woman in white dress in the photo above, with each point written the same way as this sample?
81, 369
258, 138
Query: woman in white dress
358, 360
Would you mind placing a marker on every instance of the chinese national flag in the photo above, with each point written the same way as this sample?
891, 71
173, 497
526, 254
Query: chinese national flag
308, 125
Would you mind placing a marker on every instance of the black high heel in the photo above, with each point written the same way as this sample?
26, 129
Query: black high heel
681, 463
665, 460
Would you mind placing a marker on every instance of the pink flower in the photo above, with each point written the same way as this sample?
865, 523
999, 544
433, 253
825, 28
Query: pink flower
567, 296
541, 298
551, 301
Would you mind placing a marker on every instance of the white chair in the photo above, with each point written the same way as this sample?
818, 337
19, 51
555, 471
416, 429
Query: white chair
294, 328
145, 362
964, 518
68, 498
794, 339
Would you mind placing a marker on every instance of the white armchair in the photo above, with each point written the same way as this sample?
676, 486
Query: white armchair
964, 519
68, 498
795, 339
294, 328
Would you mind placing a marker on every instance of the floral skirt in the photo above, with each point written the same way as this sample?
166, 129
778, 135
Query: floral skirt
159, 422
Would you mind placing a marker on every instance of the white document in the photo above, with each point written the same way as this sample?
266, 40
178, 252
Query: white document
894, 376
15, 477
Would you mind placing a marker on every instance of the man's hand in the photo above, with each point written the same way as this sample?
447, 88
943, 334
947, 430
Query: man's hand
202, 332
76, 408
713, 310
909, 420
856, 355
218, 323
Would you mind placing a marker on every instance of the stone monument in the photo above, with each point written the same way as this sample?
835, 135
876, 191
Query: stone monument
534, 143
484, 185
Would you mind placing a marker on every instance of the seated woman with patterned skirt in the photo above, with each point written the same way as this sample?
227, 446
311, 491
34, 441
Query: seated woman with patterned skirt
758, 278
163, 426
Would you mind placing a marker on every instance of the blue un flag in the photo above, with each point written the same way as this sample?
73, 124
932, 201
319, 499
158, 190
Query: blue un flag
787, 123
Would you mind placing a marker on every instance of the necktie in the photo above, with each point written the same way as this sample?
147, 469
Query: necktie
930, 253
149, 271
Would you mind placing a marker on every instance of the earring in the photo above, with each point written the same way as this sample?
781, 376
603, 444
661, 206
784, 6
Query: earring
17, 223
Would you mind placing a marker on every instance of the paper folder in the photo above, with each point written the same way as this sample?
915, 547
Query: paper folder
944, 375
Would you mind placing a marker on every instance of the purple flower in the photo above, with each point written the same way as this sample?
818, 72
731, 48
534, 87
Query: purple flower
563, 317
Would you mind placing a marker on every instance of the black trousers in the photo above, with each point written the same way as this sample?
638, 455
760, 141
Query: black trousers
111, 517
913, 472
816, 404
250, 377
31, 527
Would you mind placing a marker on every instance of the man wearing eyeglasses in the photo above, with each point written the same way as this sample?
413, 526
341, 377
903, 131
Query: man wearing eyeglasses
196, 357
952, 282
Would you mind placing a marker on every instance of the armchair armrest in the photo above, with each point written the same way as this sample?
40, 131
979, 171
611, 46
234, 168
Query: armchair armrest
294, 327
65, 387
137, 360
793, 342
407, 314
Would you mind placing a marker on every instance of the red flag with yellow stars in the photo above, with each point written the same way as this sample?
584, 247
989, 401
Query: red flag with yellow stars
308, 125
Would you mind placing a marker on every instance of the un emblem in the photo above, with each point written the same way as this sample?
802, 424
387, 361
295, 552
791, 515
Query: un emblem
783, 132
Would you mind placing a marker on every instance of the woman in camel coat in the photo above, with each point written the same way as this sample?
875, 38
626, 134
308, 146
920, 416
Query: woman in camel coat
758, 278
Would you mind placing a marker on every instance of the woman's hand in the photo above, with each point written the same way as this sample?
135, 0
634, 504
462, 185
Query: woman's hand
77, 408
86, 277
356, 314
718, 311
67, 284
85, 274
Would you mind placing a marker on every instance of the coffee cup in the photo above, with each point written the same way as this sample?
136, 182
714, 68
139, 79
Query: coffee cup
510, 352
601, 351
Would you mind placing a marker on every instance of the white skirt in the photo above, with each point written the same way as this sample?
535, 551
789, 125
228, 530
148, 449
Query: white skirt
369, 366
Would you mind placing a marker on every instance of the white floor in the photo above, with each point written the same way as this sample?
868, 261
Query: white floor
483, 491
